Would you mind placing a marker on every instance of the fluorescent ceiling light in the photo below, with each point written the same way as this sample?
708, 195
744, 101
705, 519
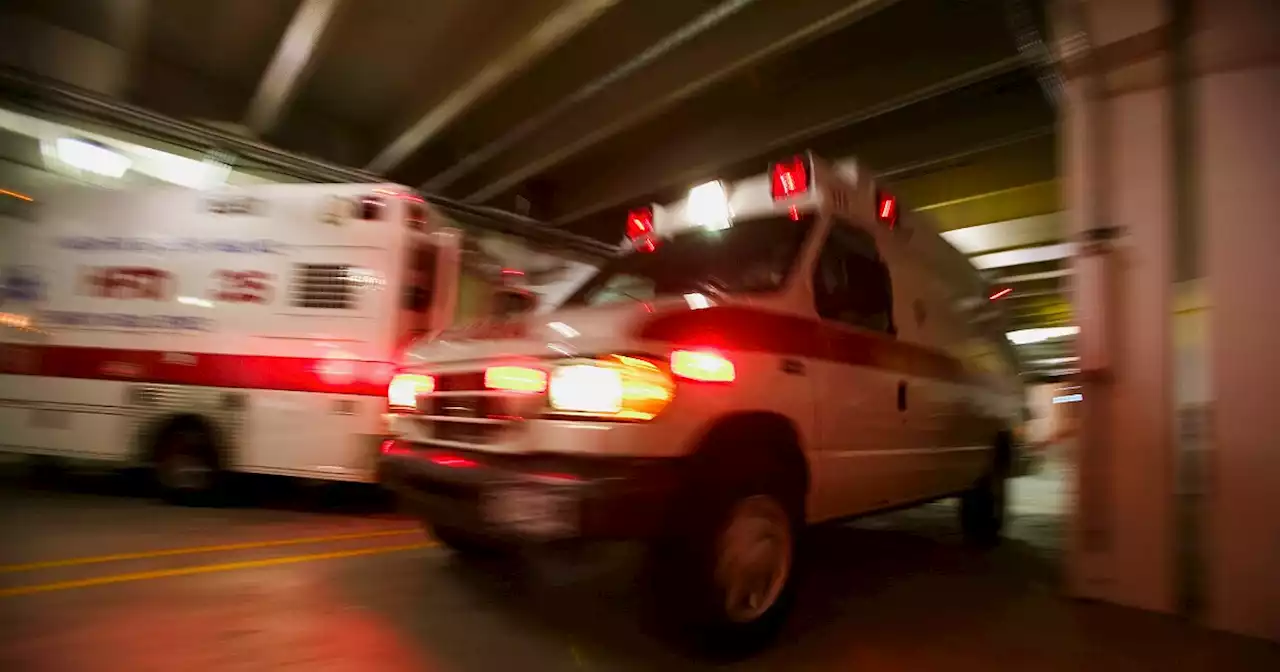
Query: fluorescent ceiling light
697, 301
1053, 361
1026, 255
92, 157
708, 206
195, 301
1027, 336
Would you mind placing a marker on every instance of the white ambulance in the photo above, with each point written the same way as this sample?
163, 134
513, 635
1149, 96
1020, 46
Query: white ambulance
781, 351
250, 330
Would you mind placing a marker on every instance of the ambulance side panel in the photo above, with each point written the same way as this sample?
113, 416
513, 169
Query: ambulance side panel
223, 300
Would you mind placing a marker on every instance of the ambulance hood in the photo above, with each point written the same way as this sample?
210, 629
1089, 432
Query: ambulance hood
560, 333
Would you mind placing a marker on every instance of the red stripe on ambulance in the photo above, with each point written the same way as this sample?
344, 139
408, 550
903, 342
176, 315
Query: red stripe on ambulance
297, 374
754, 330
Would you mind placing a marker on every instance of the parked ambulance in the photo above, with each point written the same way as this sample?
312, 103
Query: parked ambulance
786, 350
249, 330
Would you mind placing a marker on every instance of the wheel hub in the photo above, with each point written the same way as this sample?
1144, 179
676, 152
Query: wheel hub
754, 557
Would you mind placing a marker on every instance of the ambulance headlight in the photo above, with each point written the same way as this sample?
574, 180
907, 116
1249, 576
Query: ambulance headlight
615, 387
403, 392
708, 206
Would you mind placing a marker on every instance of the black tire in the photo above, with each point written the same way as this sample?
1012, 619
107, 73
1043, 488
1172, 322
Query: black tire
187, 469
46, 471
690, 601
467, 544
983, 508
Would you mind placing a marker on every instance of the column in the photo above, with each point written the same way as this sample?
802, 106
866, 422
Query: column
1235, 66
1117, 158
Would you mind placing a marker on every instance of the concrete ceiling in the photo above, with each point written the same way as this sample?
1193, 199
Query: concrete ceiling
571, 111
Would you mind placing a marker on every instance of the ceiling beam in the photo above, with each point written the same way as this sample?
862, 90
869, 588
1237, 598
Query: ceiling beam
549, 33
783, 135
651, 83
289, 65
129, 28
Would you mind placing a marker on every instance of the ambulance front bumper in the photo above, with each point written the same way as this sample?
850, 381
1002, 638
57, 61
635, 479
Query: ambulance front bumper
532, 497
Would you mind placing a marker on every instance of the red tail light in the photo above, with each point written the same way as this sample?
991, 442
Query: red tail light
789, 178
516, 379
705, 366
453, 461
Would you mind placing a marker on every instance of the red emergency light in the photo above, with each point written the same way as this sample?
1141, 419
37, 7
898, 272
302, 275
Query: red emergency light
790, 178
640, 229
886, 208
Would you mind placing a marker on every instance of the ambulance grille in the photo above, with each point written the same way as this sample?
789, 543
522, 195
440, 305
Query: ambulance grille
461, 413
329, 286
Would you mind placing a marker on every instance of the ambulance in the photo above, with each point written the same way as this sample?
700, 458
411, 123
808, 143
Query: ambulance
787, 350
252, 329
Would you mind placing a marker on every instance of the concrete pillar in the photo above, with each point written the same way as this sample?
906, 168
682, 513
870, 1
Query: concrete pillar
1116, 152
1170, 176
1235, 62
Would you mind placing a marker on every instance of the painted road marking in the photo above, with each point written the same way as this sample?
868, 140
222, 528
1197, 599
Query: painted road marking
166, 552
207, 569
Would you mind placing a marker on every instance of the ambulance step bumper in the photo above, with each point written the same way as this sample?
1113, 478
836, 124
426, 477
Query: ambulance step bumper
532, 498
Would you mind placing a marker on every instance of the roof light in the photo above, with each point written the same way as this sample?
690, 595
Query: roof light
703, 366
708, 206
886, 208
640, 229
1001, 294
92, 157
515, 379
789, 178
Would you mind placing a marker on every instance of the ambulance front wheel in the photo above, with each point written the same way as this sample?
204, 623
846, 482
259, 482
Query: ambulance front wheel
726, 577
465, 544
186, 463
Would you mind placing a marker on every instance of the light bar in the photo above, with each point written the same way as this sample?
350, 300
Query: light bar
92, 157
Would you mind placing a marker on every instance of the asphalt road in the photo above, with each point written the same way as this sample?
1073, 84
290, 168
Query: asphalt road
95, 577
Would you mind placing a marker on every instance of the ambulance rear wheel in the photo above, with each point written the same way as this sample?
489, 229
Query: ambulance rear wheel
982, 508
186, 464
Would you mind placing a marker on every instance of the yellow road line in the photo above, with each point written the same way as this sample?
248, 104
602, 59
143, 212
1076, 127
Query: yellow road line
165, 552
206, 569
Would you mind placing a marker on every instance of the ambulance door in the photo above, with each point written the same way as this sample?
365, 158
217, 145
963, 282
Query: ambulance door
430, 289
866, 445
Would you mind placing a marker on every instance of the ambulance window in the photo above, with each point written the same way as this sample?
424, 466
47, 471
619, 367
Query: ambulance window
422, 275
851, 283
752, 256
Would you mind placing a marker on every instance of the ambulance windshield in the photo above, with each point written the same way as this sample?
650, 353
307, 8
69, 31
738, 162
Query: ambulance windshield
751, 256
